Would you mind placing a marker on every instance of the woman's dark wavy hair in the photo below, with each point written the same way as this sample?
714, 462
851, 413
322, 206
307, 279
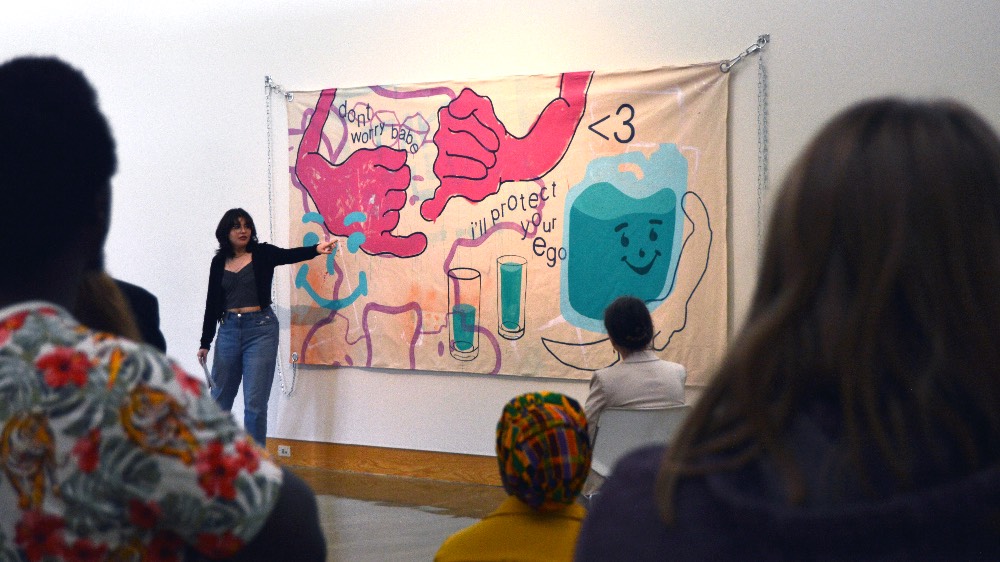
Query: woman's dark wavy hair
628, 323
879, 291
229, 221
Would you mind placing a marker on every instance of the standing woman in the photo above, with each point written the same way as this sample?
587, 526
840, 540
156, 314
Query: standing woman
239, 299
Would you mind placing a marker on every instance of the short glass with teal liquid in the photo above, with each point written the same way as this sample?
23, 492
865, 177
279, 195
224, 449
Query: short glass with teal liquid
512, 287
464, 286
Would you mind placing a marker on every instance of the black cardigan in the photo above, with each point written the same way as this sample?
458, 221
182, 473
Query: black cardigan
265, 258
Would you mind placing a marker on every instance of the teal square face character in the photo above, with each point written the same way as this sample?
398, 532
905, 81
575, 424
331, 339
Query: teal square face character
623, 233
618, 246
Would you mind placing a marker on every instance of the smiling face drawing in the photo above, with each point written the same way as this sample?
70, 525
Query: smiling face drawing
623, 233
643, 254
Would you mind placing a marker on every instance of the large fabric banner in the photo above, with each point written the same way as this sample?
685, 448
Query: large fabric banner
484, 226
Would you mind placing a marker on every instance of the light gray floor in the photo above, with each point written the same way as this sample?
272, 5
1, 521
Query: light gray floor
362, 531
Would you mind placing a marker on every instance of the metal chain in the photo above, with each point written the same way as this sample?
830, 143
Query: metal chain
762, 156
762, 179
269, 87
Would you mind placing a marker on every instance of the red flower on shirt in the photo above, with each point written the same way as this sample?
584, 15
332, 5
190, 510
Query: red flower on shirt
85, 551
187, 382
10, 325
144, 515
87, 450
40, 535
217, 471
248, 455
219, 546
64, 365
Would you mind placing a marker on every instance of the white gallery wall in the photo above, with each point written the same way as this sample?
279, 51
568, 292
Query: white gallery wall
183, 85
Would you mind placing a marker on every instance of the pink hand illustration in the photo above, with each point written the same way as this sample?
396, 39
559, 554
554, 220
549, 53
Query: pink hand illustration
372, 181
476, 153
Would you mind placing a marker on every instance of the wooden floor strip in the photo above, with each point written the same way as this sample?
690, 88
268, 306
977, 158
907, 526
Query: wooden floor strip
448, 467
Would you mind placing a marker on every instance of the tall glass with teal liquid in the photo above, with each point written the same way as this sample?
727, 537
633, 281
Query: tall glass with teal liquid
464, 286
512, 288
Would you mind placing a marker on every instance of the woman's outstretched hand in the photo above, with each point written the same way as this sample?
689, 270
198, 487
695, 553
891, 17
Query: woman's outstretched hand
326, 247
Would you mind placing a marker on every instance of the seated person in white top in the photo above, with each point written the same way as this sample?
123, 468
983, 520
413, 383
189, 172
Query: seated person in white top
641, 380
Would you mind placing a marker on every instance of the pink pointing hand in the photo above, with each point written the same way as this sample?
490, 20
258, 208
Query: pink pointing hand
476, 153
372, 181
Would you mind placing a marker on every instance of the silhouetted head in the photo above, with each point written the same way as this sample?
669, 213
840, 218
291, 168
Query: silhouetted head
629, 324
543, 449
229, 222
883, 256
57, 156
879, 293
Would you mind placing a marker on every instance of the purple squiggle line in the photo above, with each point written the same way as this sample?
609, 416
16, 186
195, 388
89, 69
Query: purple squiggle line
329, 318
374, 307
334, 154
397, 123
306, 115
424, 93
333, 316
301, 188
312, 331
496, 348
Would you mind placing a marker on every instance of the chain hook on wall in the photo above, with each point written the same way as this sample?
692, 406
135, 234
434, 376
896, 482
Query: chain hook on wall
762, 40
272, 87
762, 126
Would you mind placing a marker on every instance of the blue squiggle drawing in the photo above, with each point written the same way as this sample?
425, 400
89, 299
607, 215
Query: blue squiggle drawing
354, 241
302, 282
302, 279
312, 217
356, 216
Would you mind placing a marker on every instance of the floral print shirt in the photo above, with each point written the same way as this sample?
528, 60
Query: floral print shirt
110, 451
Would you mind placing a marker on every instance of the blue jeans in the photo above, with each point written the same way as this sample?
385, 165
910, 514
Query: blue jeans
246, 349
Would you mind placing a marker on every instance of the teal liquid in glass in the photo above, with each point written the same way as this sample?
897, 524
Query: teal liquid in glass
463, 325
510, 295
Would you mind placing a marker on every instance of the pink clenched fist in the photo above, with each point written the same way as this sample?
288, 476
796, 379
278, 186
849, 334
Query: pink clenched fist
372, 181
476, 153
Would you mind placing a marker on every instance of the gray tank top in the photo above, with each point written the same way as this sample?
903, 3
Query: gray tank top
240, 288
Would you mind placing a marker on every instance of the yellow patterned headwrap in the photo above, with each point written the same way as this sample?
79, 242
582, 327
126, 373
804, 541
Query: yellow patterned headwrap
543, 449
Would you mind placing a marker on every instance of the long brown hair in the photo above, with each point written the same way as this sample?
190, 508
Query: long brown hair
100, 305
879, 291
